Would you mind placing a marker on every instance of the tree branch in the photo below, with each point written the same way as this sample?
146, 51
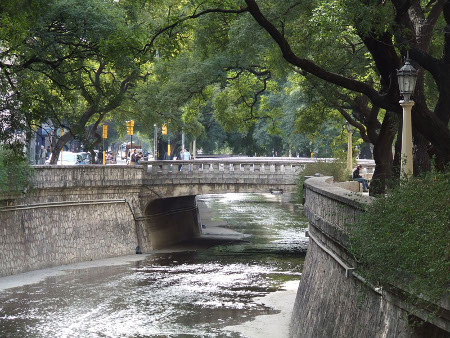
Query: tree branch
312, 68
193, 16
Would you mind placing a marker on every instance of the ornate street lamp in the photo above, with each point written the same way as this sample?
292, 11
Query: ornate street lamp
349, 145
407, 77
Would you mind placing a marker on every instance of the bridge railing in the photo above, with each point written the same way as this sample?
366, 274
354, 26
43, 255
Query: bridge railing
223, 166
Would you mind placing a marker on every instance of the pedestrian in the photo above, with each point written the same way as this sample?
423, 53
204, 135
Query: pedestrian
357, 177
139, 157
134, 157
180, 158
49, 151
42, 155
187, 157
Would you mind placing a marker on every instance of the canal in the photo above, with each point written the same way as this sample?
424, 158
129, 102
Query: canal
205, 288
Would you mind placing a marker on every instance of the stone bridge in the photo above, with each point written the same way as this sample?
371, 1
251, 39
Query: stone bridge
181, 178
85, 212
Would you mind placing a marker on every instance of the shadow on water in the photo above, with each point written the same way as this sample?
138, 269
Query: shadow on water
172, 294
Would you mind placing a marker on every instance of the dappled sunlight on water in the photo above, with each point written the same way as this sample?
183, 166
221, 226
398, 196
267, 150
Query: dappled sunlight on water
170, 294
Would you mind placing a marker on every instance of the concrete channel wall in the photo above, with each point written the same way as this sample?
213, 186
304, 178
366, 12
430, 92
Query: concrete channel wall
332, 299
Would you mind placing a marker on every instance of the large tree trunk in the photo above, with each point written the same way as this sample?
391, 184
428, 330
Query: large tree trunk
396, 166
382, 154
59, 145
421, 159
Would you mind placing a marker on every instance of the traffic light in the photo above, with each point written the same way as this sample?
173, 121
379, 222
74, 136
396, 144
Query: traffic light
130, 126
105, 131
164, 129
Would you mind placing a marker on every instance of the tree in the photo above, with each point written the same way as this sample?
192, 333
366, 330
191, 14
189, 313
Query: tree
409, 28
355, 47
73, 65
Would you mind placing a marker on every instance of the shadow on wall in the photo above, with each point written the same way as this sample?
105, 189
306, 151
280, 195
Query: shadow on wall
171, 220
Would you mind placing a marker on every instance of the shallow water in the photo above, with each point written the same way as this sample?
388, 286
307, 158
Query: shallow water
175, 294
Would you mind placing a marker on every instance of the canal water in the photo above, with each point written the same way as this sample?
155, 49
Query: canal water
171, 293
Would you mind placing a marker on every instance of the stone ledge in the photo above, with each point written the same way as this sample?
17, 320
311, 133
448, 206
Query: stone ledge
324, 186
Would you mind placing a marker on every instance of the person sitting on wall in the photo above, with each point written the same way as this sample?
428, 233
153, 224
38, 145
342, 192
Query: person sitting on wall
357, 177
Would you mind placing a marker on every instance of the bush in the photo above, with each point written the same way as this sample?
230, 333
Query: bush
15, 172
336, 168
403, 239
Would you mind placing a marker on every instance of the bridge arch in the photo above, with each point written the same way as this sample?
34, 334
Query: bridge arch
171, 220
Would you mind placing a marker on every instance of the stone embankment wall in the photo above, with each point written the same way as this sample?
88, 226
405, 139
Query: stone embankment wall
80, 213
332, 299
48, 235
73, 214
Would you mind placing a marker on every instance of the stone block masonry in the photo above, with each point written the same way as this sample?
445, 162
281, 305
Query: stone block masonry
332, 299
50, 235
84, 212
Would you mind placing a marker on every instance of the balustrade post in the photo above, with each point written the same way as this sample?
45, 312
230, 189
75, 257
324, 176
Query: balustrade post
195, 167
277, 168
145, 167
226, 168
165, 168
185, 167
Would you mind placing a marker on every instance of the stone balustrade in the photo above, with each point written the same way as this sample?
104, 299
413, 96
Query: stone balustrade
227, 170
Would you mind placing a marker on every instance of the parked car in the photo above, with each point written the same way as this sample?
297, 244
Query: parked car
70, 158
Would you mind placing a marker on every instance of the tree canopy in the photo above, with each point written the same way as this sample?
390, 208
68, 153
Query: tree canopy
283, 74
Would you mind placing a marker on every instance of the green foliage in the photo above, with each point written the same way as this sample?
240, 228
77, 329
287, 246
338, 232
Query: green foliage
15, 172
73, 64
336, 168
403, 239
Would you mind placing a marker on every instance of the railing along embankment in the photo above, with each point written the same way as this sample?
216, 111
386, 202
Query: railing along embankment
333, 300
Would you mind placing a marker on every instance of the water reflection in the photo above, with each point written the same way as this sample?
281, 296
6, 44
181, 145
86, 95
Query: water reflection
171, 294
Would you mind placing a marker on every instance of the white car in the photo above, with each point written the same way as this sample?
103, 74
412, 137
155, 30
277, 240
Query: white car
70, 158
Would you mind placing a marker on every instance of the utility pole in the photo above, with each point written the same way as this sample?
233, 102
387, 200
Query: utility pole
155, 142
130, 126
105, 135
182, 140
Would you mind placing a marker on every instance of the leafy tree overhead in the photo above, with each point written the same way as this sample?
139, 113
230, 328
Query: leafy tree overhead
354, 48
78, 61
73, 65
387, 30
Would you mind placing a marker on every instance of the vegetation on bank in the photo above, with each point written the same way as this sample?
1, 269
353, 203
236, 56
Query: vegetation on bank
404, 237
15, 171
336, 168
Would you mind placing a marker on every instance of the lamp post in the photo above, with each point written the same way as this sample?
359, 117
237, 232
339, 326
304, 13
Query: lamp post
349, 146
407, 77
155, 143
